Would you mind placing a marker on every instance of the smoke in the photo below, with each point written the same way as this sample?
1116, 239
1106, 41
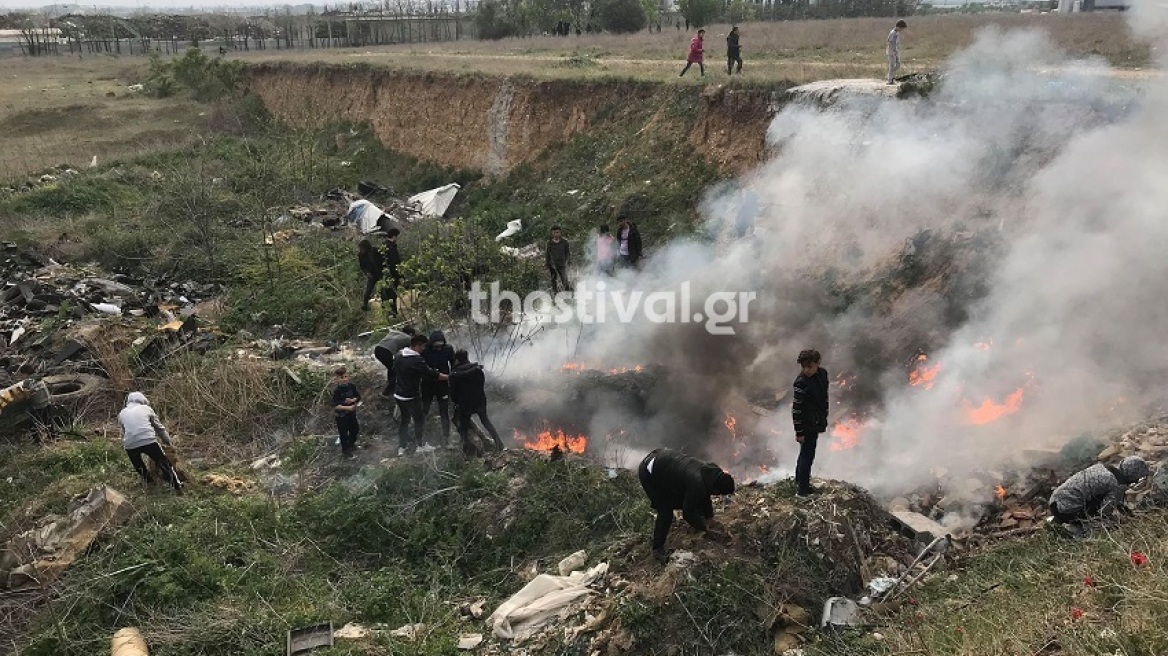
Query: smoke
1009, 227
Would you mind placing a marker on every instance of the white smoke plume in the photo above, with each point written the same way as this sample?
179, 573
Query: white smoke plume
1012, 227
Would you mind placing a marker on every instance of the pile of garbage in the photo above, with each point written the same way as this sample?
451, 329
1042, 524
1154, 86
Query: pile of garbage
41, 178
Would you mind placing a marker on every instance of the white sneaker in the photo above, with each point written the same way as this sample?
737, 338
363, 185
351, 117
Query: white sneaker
338, 442
400, 452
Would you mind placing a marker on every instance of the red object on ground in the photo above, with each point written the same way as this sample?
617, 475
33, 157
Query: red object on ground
1076, 614
1089, 581
1139, 559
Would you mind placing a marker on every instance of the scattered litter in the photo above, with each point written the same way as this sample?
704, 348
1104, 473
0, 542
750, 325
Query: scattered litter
236, 486
352, 631
107, 308
682, 559
128, 642
135, 88
539, 600
528, 252
513, 228
267, 462
409, 631
469, 640
573, 563
840, 611
38, 556
879, 586
434, 202
309, 638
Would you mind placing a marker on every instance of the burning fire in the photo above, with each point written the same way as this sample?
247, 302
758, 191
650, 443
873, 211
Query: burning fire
846, 434
1000, 492
984, 346
548, 439
923, 375
989, 412
731, 423
579, 367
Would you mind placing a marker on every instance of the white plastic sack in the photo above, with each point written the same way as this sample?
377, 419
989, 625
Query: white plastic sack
513, 227
538, 601
435, 201
364, 215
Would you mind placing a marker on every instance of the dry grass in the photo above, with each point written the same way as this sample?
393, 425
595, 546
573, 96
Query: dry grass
56, 110
798, 51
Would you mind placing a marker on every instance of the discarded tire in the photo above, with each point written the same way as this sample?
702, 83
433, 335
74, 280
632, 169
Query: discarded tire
71, 389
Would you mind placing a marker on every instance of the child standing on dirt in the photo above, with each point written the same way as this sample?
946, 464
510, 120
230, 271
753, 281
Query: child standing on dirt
809, 409
696, 53
345, 400
893, 50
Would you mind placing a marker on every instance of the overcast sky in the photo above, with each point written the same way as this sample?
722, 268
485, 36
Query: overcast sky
151, 4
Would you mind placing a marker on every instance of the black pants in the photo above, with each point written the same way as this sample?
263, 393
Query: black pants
627, 262
443, 399
464, 417
370, 289
1091, 510
385, 357
154, 451
559, 275
664, 519
410, 411
731, 58
806, 459
349, 429
688, 64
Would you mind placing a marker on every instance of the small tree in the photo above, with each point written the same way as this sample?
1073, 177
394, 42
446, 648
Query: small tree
700, 13
492, 23
738, 11
622, 16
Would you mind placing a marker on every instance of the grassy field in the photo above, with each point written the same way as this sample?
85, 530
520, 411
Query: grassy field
799, 51
60, 111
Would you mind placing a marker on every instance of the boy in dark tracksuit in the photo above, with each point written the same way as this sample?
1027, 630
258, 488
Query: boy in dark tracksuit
556, 260
809, 409
675, 481
410, 370
440, 356
345, 399
468, 392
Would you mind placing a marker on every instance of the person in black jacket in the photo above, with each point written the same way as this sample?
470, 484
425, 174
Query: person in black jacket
440, 356
809, 409
392, 260
556, 259
675, 481
372, 265
410, 370
345, 400
733, 52
468, 392
628, 240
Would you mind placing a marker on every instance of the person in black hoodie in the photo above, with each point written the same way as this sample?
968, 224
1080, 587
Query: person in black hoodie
392, 260
440, 356
410, 371
468, 392
675, 481
809, 410
372, 265
628, 240
733, 52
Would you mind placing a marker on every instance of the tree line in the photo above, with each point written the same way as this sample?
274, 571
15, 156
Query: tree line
407, 21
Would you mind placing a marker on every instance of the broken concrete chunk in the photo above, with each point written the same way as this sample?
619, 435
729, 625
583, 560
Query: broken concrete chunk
917, 526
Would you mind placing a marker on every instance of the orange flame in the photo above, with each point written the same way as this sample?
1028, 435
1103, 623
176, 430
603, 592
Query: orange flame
846, 434
764, 469
547, 439
579, 367
1000, 492
984, 346
989, 412
730, 424
922, 375
572, 366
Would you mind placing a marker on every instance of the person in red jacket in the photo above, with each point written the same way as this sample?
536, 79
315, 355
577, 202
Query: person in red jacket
696, 48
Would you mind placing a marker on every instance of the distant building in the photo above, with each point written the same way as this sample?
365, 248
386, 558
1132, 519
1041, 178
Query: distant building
12, 40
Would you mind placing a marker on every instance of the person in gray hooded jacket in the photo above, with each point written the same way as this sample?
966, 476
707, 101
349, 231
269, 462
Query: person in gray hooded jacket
141, 433
1097, 491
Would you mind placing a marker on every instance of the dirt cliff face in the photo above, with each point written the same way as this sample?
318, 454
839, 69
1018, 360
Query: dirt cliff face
492, 124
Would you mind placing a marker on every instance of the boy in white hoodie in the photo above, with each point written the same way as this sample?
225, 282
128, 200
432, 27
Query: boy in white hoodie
141, 432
